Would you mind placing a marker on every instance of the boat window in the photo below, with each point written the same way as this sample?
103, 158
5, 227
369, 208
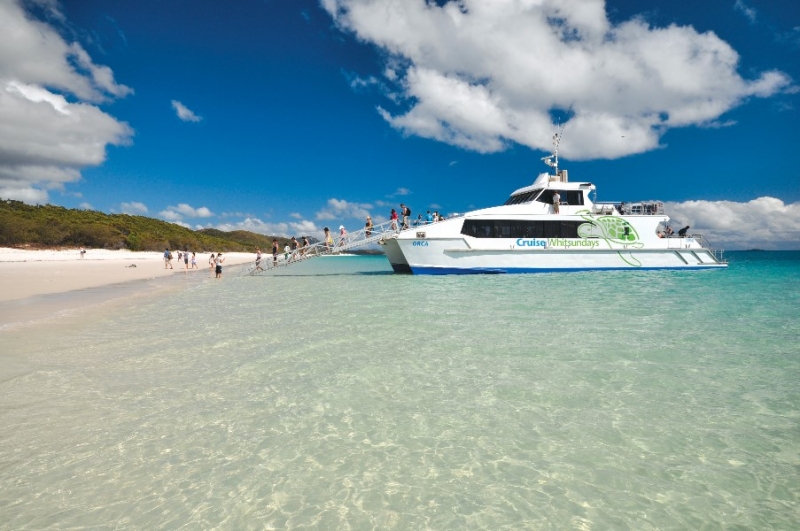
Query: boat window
517, 228
568, 197
521, 198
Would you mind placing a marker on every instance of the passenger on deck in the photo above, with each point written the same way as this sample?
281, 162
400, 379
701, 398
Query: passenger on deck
328, 239
682, 232
368, 227
393, 217
294, 245
406, 212
429, 217
669, 232
419, 221
305, 245
556, 201
342, 235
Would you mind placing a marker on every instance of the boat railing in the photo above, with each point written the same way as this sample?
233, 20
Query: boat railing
705, 244
603, 209
641, 208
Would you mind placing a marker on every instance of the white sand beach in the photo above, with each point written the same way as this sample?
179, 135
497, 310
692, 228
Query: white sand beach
25, 273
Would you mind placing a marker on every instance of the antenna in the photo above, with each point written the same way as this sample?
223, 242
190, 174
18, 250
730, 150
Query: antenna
552, 159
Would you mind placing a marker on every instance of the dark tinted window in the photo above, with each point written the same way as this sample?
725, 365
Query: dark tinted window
514, 228
521, 198
568, 197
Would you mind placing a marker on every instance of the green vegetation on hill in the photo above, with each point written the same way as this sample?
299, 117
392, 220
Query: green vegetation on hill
54, 226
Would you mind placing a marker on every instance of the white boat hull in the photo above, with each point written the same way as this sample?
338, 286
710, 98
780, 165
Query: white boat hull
456, 256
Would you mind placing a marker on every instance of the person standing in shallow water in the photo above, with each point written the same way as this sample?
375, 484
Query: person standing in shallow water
258, 260
274, 253
218, 262
211, 262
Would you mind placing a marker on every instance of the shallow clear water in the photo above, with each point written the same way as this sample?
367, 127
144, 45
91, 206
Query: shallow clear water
345, 397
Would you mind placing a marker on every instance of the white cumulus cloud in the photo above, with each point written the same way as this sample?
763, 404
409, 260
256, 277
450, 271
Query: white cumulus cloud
184, 113
185, 210
26, 194
337, 209
284, 229
133, 208
481, 75
47, 138
763, 223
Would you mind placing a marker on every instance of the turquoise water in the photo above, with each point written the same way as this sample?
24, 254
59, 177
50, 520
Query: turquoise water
345, 397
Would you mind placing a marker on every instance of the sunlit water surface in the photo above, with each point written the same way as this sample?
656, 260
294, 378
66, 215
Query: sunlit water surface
345, 397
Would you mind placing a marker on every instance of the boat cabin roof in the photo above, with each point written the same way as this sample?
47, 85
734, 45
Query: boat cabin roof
557, 182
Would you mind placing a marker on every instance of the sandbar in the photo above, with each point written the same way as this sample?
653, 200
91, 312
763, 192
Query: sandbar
27, 273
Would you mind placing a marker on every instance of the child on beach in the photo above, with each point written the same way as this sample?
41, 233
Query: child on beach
194, 261
258, 260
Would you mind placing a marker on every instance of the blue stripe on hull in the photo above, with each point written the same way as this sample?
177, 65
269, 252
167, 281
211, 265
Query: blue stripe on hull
517, 270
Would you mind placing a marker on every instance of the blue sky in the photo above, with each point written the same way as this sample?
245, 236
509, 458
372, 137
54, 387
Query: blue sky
284, 116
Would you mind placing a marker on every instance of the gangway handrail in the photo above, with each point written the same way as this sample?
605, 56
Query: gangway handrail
717, 254
352, 240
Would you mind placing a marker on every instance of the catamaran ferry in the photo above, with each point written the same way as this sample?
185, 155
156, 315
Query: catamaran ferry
551, 225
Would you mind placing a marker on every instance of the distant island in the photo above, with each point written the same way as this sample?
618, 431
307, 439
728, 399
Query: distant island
49, 226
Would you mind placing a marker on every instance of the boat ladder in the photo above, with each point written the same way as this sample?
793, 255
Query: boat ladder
352, 240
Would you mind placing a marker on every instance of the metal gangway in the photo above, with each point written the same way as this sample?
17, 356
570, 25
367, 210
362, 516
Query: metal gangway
352, 240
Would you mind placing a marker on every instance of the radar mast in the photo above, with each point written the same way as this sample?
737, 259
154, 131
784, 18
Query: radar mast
552, 159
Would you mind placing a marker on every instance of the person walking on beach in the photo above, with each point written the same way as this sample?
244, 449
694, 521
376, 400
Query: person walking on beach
186, 258
406, 214
556, 201
83, 253
274, 253
218, 262
194, 261
258, 260
167, 258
